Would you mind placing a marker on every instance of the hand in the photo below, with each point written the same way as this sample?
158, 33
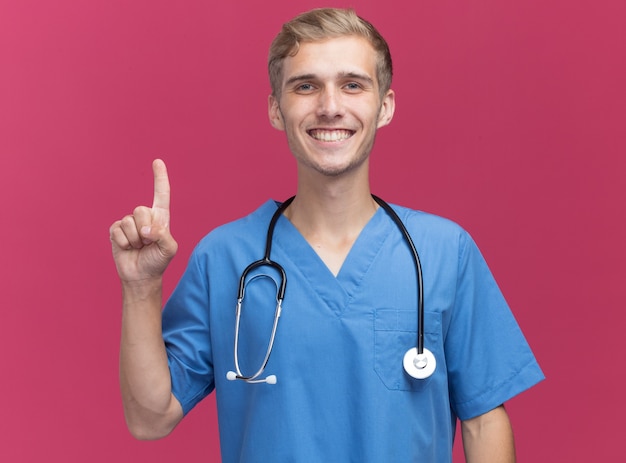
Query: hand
142, 243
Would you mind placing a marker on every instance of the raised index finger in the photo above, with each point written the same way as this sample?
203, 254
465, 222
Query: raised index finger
161, 203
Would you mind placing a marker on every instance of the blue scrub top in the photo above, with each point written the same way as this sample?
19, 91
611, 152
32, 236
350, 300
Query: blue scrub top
342, 393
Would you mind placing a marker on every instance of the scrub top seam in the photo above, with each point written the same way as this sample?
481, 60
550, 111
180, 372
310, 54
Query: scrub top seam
496, 388
352, 296
278, 243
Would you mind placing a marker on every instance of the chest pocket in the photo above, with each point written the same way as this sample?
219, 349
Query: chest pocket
395, 332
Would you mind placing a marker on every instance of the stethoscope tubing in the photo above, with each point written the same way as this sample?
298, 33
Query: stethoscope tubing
281, 288
266, 261
280, 295
418, 271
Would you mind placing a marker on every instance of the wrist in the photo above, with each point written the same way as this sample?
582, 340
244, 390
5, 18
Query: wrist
142, 290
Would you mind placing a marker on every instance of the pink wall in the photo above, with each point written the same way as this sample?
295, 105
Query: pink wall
510, 120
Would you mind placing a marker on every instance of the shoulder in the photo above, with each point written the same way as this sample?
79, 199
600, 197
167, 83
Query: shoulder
427, 223
250, 227
437, 236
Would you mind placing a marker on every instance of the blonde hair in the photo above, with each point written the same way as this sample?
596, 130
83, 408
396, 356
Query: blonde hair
324, 23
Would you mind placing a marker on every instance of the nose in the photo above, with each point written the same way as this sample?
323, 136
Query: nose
330, 103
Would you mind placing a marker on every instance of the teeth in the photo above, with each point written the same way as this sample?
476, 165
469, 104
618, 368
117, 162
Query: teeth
330, 135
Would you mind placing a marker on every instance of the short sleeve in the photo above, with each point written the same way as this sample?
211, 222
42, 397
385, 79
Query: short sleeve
186, 336
488, 358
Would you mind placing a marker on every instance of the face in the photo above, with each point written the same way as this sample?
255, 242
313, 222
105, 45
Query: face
330, 105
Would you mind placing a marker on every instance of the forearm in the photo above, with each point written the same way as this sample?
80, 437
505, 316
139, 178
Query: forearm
150, 409
489, 438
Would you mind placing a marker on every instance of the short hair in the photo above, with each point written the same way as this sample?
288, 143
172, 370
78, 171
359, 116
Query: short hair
325, 23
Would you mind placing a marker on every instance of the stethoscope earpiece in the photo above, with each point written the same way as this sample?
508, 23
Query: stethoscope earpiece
232, 376
419, 366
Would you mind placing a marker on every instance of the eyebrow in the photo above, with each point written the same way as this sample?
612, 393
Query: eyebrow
299, 78
343, 75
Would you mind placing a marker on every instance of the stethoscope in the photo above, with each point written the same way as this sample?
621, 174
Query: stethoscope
418, 361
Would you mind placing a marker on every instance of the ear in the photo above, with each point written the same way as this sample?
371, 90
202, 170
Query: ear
273, 110
387, 108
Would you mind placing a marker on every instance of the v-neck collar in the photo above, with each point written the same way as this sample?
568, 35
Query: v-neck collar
337, 291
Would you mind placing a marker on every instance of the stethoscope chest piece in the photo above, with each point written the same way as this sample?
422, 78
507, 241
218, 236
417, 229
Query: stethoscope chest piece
419, 366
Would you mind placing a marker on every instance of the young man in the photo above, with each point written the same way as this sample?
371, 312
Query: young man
334, 387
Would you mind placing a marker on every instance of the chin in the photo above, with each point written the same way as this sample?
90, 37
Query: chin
333, 170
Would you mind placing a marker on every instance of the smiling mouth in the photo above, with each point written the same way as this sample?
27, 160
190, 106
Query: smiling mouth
330, 135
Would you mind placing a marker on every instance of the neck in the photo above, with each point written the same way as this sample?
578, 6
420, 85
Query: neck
332, 205
330, 215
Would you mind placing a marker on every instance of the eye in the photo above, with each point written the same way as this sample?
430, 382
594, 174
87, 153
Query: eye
304, 88
353, 87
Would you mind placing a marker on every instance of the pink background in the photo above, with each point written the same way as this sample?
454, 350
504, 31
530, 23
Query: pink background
510, 120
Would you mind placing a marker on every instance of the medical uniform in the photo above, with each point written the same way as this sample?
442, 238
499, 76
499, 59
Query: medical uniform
342, 394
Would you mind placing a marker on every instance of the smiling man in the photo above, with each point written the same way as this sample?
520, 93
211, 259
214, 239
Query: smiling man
330, 104
348, 366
